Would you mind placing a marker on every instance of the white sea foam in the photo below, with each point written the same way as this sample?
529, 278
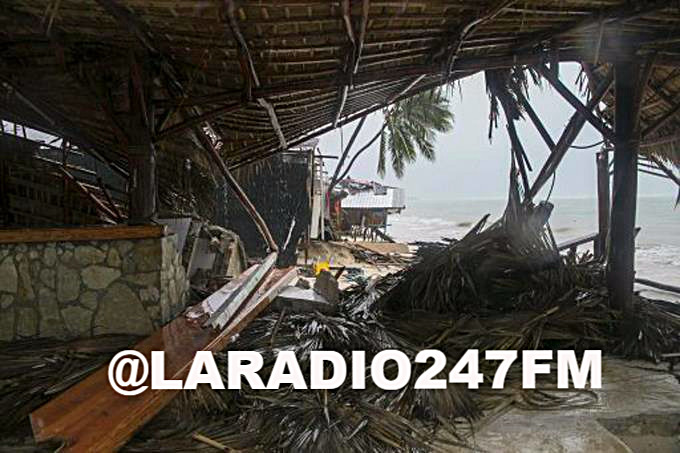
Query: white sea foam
658, 245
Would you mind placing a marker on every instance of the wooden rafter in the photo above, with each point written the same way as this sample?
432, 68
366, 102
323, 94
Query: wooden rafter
356, 44
663, 120
596, 122
58, 123
300, 52
79, 75
452, 44
195, 120
567, 138
538, 124
248, 70
614, 14
130, 21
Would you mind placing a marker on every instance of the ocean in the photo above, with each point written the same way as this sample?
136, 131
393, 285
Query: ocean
657, 254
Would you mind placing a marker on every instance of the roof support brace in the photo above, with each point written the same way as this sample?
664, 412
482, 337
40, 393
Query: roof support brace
573, 100
353, 56
249, 73
570, 133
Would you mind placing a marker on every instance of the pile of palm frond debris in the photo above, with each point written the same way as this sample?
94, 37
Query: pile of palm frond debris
500, 287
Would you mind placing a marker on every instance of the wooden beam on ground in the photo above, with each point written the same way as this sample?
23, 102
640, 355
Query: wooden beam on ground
248, 70
90, 233
621, 260
567, 138
91, 416
603, 202
605, 130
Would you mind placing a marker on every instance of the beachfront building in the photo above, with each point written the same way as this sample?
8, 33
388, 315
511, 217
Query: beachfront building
360, 209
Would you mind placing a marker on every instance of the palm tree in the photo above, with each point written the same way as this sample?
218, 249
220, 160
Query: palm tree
409, 128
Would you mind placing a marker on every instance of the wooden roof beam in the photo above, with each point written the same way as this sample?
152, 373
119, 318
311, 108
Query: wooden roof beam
192, 121
354, 52
129, 21
533, 116
451, 47
617, 13
568, 136
665, 118
58, 124
248, 71
550, 76
59, 43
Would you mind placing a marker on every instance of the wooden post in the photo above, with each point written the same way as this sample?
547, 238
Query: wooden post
603, 202
142, 187
621, 263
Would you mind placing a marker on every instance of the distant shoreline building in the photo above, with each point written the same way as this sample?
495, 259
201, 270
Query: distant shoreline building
361, 208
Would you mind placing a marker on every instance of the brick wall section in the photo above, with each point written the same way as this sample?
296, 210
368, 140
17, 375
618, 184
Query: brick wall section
80, 289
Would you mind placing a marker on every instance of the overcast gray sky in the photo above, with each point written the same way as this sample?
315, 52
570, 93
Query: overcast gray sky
469, 166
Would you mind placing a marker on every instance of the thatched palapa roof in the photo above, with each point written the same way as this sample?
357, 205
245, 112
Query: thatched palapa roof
267, 75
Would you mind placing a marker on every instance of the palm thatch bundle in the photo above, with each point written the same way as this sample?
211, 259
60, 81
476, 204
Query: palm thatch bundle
500, 287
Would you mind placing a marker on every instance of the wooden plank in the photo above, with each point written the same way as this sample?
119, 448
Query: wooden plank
92, 417
93, 233
603, 202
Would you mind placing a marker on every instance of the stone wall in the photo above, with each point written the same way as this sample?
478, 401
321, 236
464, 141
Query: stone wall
80, 289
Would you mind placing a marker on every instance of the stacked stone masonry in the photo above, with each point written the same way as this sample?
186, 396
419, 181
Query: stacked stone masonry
80, 289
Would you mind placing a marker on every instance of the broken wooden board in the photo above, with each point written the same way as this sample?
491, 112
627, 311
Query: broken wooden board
92, 417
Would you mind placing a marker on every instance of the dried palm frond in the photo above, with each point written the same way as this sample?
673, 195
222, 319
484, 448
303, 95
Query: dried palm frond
501, 287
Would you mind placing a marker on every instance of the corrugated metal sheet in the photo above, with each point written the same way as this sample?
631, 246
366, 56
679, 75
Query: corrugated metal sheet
392, 199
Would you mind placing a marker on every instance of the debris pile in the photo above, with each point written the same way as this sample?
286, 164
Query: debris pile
504, 286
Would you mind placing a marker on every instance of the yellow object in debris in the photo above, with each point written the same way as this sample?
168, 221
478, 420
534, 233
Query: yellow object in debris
321, 266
